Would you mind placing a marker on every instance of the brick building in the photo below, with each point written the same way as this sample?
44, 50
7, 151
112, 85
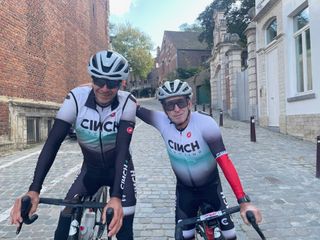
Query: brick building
180, 50
44, 49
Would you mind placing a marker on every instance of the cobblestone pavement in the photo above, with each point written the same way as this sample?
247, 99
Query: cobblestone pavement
277, 171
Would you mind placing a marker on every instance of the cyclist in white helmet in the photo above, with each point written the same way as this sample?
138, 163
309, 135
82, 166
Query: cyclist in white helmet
195, 147
104, 119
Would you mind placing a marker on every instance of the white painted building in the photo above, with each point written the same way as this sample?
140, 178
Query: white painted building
288, 72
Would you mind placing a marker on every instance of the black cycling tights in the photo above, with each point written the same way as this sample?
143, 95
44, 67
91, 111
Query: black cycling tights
62, 231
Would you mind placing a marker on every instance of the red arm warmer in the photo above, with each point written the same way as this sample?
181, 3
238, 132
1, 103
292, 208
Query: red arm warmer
231, 175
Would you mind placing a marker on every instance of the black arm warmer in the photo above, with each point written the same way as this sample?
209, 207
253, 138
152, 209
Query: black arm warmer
144, 114
124, 136
49, 151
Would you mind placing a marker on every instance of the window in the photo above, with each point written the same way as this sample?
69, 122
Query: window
33, 130
303, 51
271, 31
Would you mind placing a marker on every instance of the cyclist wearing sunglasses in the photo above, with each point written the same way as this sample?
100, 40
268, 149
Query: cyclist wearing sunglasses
195, 147
104, 119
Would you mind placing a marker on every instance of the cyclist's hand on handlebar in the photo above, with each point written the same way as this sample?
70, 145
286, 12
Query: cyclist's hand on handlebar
15, 213
116, 222
244, 207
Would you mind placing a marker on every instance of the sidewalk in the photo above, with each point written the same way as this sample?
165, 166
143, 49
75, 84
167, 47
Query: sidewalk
278, 172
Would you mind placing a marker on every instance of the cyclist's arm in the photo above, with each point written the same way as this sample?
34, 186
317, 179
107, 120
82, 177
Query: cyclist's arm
153, 118
231, 175
212, 135
65, 116
145, 114
56, 136
124, 135
123, 140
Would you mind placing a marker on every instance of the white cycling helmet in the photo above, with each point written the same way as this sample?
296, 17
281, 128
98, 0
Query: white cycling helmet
173, 89
108, 65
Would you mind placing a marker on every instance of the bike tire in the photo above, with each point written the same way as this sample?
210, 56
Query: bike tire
100, 196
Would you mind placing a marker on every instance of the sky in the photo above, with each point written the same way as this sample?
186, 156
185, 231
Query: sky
153, 17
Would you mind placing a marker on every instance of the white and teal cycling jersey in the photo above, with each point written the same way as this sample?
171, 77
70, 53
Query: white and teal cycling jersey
193, 150
103, 133
96, 126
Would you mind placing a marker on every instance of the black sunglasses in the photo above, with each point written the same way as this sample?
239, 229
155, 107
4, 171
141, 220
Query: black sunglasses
100, 82
181, 103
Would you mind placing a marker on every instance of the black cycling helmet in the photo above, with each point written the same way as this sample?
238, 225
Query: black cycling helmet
108, 65
173, 89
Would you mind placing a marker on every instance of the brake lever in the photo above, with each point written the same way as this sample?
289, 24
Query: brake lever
109, 216
251, 218
25, 209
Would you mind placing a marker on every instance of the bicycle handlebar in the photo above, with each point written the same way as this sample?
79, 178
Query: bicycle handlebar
70, 203
109, 217
214, 215
26, 207
251, 218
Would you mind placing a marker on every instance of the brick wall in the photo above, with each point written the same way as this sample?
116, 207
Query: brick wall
192, 58
45, 45
44, 50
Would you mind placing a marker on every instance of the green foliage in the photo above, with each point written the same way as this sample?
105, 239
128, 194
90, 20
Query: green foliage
183, 73
195, 27
135, 46
236, 17
206, 20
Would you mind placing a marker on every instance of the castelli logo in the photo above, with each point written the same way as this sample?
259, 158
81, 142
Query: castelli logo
129, 130
113, 114
188, 134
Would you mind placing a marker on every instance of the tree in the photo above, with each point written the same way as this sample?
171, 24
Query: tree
195, 27
134, 45
206, 20
185, 73
236, 13
237, 18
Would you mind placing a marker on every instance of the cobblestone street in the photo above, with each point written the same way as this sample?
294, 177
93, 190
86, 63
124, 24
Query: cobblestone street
278, 172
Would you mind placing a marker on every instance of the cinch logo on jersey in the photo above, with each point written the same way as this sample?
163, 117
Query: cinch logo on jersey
190, 147
95, 125
124, 175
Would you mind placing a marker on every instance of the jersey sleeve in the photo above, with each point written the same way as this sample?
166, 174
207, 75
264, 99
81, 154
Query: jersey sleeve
151, 117
48, 153
213, 137
123, 140
69, 109
129, 109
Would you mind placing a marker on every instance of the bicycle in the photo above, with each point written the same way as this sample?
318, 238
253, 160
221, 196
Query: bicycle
86, 214
209, 221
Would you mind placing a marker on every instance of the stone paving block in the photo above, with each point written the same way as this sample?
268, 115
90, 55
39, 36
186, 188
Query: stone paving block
278, 172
